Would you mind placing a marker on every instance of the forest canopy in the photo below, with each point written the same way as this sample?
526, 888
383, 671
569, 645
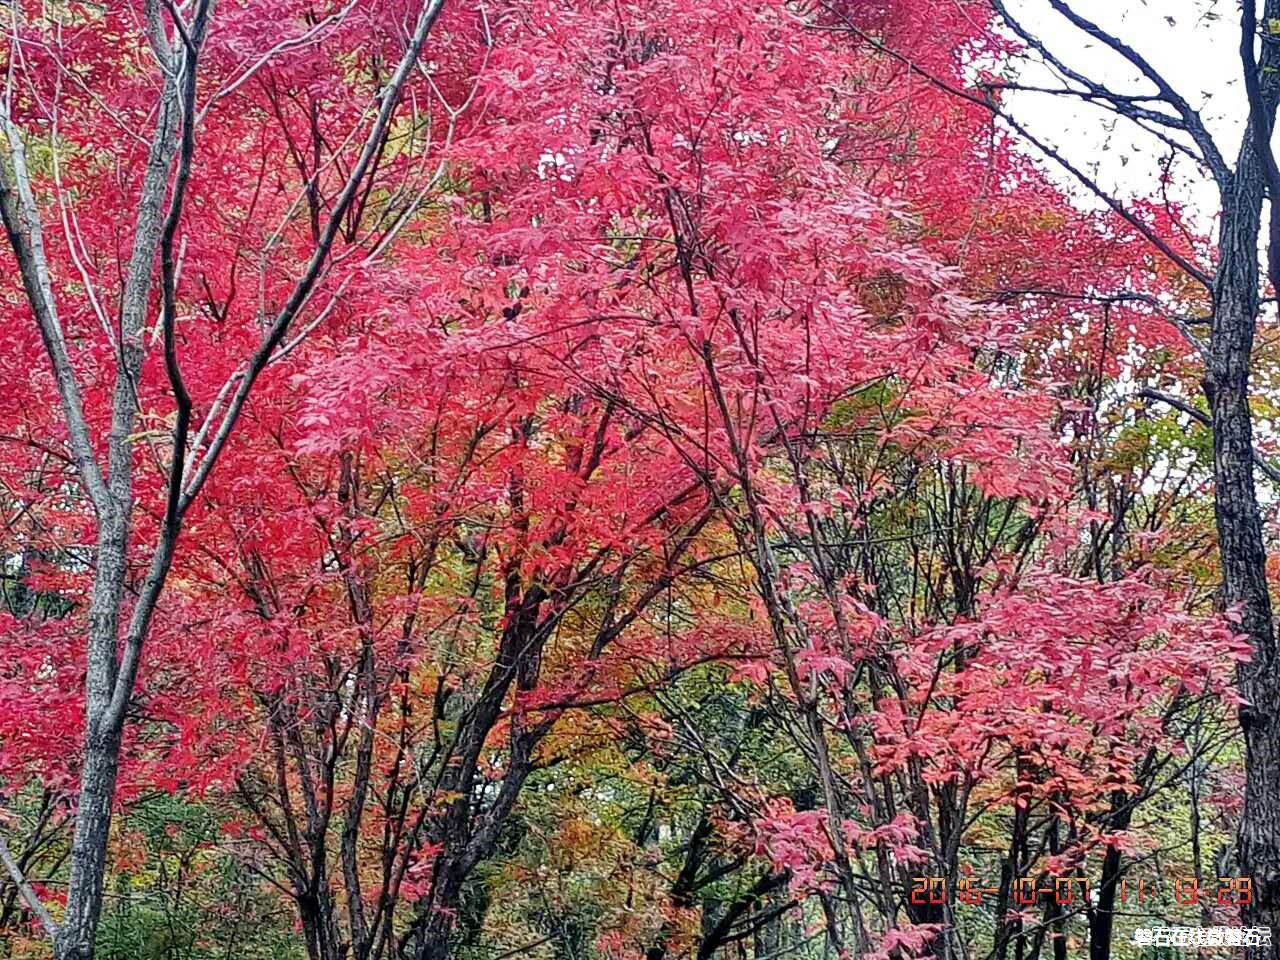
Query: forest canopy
592, 480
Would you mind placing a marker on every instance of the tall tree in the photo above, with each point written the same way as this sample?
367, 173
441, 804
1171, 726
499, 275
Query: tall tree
1222, 290
44, 97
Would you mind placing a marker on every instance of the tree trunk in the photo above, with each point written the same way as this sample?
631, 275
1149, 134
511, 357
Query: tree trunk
101, 743
1239, 520
1244, 584
89, 847
429, 937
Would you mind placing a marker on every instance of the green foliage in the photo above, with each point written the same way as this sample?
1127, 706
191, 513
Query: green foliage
182, 896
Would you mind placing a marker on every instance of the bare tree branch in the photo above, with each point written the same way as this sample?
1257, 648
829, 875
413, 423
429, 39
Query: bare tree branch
987, 103
28, 893
1272, 472
1122, 104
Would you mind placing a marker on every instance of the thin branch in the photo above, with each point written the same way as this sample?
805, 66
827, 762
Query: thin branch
280, 47
1052, 153
28, 894
1272, 472
1124, 104
1183, 324
25, 232
1191, 122
1205, 279
390, 96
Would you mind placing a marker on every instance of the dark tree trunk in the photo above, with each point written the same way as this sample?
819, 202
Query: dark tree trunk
1239, 520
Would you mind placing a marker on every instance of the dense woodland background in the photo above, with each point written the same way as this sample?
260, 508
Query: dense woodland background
613, 480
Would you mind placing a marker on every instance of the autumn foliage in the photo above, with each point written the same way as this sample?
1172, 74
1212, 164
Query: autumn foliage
686, 508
